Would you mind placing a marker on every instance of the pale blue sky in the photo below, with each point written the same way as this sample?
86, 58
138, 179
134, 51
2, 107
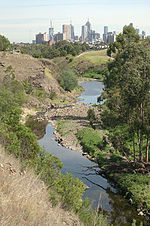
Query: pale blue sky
20, 20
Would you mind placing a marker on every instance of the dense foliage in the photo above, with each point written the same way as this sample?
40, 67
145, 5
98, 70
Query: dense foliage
4, 43
127, 90
68, 80
60, 48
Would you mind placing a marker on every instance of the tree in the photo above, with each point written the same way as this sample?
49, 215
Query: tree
128, 91
69, 80
4, 43
129, 36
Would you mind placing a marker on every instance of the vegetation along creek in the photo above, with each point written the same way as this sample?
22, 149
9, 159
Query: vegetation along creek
103, 195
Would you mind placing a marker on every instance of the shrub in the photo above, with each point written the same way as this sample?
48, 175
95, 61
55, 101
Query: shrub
69, 80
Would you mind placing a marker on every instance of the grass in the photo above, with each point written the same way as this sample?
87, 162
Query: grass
94, 57
62, 128
91, 140
138, 186
47, 72
24, 198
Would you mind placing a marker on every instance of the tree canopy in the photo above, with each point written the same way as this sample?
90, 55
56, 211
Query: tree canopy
4, 43
127, 89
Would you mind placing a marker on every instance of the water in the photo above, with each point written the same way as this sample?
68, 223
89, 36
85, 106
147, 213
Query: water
92, 91
100, 190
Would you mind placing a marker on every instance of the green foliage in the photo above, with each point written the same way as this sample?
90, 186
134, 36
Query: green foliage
69, 80
41, 94
27, 87
60, 48
71, 190
129, 36
138, 186
91, 117
4, 43
90, 217
127, 92
53, 95
96, 74
48, 167
91, 140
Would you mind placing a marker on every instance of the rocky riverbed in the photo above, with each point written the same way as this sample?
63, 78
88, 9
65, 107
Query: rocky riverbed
73, 117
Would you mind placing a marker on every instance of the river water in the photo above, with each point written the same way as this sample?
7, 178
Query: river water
99, 191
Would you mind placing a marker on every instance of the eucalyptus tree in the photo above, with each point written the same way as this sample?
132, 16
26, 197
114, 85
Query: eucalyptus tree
127, 88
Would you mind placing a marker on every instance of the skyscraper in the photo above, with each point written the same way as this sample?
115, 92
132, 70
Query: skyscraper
105, 30
84, 33
68, 31
137, 30
51, 32
131, 24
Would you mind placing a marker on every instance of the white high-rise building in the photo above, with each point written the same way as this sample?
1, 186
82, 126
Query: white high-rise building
68, 31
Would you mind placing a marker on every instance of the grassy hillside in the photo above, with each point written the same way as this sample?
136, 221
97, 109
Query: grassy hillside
24, 198
94, 57
90, 61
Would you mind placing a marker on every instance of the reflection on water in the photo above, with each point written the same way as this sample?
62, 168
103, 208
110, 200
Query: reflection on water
92, 91
117, 208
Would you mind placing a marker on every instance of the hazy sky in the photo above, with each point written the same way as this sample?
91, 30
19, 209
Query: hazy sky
20, 20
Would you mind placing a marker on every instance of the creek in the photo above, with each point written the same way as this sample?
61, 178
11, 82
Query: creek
102, 194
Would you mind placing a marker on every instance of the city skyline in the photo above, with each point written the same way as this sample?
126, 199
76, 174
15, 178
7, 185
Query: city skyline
20, 21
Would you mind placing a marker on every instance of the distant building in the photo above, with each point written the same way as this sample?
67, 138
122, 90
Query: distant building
84, 33
39, 38
137, 31
51, 33
131, 24
109, 37
59, 37
148, 36
45, 37
143, 35
87, 34
97, 36
68, 31
42, 38
105, 30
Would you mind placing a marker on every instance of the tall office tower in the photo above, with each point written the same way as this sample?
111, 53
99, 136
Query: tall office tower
131, 24
105, 30
51, 32
137, 30
72, 32
68, 31
39, 38
84, 33
88, 30
143, 34
45, 37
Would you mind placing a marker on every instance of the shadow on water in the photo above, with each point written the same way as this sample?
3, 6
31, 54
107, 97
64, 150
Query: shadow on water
99, 191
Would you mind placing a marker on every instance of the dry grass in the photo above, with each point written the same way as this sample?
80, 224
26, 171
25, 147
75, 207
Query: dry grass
24, 199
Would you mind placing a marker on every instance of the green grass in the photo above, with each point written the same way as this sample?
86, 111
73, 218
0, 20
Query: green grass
94, 57
92, 141
47, 72
62, 127
138, 185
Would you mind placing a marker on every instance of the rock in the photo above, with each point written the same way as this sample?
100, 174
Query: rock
141, 213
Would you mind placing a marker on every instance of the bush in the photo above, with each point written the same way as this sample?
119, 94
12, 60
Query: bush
69, 80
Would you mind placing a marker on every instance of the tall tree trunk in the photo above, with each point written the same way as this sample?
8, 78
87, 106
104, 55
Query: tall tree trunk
134, 147
147, 149
141, 134
141, 146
